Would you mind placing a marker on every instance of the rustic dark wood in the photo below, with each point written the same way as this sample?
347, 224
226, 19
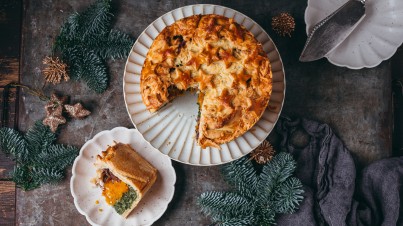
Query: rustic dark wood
6, 166
8, 118
7, 206
9, 70
10, 39
9, 103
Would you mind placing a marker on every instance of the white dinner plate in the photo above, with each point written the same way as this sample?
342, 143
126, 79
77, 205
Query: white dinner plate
171, 129
88, 198
376, 37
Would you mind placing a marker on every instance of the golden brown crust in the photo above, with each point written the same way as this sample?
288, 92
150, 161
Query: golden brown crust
124, 160
219, 58
130, 167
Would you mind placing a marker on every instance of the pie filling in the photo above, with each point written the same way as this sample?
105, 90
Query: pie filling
223, 62
117, 193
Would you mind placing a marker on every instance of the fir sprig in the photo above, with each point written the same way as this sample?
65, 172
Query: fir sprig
38, 159
86, 41
259, 194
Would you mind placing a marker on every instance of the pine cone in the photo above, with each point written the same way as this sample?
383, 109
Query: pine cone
263, 153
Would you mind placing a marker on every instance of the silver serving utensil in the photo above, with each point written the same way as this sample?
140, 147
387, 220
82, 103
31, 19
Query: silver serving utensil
333, 30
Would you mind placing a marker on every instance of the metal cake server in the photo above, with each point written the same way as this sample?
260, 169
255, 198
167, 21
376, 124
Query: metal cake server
333, 30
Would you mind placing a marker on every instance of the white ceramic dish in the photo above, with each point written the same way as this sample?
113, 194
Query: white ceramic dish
172, 129
375, 39
86, 195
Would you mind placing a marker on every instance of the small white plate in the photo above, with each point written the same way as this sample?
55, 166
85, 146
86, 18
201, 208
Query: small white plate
86, 194
172, 129
375, 39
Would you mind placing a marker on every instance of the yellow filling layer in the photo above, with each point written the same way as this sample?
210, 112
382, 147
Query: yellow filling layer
113, 191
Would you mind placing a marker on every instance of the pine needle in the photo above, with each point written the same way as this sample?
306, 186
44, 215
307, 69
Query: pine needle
288, 196
38, 138
38, 159
276, 172
86, 41
258, 195
225, 203
12, 143
242, 175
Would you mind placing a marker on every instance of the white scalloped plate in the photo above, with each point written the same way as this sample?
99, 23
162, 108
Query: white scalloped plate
86, 195
375, 39
172, 129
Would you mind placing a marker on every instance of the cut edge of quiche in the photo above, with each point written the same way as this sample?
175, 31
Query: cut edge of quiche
219, 59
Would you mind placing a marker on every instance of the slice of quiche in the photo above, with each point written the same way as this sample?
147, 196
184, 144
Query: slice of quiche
125, 177
219, 59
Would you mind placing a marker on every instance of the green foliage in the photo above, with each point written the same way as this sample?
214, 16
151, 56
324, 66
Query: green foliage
259, 193
13, 144
86, 42
38, 159
274, 173
229, 204
242, 175
288, 196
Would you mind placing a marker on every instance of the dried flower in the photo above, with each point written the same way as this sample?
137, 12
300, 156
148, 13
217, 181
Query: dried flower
263, 153
283, 24
55, 71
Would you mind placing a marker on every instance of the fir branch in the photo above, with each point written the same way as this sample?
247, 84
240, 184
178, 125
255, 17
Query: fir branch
225, 204
95, 72
68, 33
242, 175
95, 20
265, 215
29, 178
279, 169
39, 160
22, 177
115, 45
12, 143
38, 138
87, 65
288, 196
74, 57
57, 156
259, 194
47, 175
86, 41
235, 221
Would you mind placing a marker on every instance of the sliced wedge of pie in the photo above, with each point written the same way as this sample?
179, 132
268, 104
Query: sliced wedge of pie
125, 177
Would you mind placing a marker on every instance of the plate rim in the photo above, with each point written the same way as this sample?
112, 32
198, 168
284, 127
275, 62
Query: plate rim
340, 64
279, 59
101, 133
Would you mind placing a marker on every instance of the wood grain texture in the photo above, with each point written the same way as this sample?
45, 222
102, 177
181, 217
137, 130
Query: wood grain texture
10, 39
8, 115
9, 70
9, 107
7, 203
6, 167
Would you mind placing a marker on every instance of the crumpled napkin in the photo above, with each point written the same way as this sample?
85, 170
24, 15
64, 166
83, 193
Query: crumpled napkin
334, 194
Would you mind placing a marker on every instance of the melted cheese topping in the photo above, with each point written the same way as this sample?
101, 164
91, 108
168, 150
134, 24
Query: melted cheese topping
219, 58
113, 191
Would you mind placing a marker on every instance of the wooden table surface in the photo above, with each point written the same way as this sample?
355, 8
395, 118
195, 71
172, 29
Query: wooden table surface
356, 103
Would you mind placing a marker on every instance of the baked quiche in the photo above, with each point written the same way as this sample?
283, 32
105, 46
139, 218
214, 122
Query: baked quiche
223, 62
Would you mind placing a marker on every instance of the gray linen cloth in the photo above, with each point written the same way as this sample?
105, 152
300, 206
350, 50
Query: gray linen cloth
334, 194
